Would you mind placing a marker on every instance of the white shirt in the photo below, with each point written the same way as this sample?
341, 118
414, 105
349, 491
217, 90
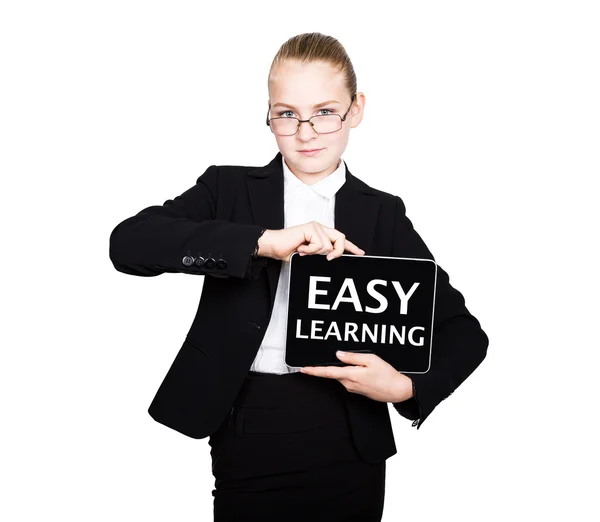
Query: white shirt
302, 203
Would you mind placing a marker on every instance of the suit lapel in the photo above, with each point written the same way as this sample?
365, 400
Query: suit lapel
356, 209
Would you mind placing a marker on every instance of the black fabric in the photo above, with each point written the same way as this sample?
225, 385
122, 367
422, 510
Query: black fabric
220, 219
285, 452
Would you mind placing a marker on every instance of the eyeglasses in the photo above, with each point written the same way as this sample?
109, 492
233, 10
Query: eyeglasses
322, 124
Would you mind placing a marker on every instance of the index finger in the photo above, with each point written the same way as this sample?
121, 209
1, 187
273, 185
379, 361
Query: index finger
331, 372
341, 243
350, 246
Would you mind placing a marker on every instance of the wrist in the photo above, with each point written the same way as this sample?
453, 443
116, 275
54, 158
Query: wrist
404, 388
263, 244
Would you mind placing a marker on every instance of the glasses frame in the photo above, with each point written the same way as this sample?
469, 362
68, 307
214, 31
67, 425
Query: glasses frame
300, 122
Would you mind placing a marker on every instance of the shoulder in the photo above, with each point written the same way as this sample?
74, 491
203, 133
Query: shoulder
233, 173
236, 169
225, 176
390, 202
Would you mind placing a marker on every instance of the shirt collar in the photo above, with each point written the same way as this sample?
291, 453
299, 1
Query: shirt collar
327, 187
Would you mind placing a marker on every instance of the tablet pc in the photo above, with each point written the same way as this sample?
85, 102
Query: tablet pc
367, 304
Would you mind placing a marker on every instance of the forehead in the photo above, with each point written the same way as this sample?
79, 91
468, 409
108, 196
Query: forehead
305, 85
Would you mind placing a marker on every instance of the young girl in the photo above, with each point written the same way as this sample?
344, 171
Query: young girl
290, 444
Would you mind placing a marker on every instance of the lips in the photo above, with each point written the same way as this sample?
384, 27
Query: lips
309, 150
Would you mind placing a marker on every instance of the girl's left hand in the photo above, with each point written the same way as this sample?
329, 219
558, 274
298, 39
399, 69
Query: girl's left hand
372, 377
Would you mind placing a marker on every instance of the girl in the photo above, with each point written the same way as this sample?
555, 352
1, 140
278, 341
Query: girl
286, 443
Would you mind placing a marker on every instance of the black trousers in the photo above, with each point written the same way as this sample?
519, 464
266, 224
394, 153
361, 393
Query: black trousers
285, 453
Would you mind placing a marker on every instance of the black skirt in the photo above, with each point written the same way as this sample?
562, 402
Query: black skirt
285, 453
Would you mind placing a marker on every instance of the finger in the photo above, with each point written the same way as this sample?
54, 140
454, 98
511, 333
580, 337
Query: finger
324, 238
335, 236
315, 246
327, 246
329, 372
319, 242
314, 239
338, 246
351, 247
358, 359
336, 239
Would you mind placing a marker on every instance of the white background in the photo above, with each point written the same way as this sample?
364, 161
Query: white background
483, 116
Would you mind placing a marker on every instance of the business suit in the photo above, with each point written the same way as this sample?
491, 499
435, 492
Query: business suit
219, 220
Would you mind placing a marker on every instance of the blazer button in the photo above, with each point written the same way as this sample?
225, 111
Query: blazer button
188, 260
221, 264
209, 263
199, 261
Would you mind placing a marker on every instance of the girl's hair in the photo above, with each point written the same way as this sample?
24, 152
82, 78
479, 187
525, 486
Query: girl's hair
317, 47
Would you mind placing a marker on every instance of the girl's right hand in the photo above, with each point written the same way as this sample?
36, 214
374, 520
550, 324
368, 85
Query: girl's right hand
308, 238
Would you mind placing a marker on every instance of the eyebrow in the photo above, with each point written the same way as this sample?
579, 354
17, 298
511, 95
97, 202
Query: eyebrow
279, 104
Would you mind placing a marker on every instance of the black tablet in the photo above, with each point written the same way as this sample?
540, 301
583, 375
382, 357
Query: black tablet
368, 304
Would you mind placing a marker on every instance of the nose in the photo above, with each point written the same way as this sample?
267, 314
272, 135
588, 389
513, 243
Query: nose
306, 131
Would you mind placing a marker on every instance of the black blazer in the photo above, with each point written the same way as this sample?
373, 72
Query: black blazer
211, 229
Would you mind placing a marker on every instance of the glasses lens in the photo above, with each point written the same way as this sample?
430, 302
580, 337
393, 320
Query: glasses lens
284, 126
322, 124
326, 123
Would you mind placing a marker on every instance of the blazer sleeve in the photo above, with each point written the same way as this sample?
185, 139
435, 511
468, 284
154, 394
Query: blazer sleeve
165, 238
459, 343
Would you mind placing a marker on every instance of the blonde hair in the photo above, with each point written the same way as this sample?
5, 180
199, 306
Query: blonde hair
317, 47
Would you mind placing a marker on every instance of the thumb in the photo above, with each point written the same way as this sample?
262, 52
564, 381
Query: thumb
361, 359
310, 248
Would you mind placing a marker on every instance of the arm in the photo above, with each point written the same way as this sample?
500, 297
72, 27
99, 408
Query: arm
170, 237
459, 343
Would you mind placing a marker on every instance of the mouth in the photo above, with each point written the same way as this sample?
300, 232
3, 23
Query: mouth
310, 152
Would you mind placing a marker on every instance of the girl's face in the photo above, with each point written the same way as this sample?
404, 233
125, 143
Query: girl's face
295, 89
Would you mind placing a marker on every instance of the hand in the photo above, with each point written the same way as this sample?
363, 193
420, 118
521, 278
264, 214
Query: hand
372, 377
281, 244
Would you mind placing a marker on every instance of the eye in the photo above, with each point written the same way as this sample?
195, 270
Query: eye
280, 114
